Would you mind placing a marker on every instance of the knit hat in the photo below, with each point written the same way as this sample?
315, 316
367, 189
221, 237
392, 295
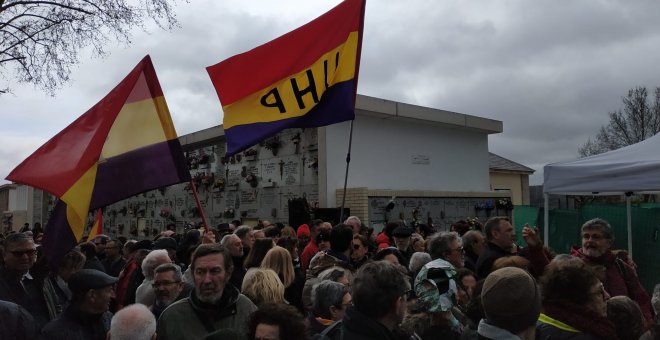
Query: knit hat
303, 230
511, 299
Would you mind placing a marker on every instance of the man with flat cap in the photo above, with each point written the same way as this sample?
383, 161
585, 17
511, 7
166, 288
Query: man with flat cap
87, 317
402, 237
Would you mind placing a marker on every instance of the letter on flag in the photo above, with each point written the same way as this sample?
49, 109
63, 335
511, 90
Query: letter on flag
305, 78
124, 145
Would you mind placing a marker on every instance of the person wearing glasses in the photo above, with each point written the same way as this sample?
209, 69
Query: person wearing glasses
330, 301
359, 251
145, 294
574, 303
114, 261
447, 246
16, 283
618, 277
168, 287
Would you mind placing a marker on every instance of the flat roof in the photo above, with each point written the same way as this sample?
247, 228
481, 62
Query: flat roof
388, 109
383, 109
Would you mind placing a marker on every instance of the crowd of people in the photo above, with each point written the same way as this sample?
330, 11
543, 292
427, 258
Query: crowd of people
319, 281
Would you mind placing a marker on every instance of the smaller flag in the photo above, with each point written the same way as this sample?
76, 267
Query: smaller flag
97, 228
124, 145
305, 78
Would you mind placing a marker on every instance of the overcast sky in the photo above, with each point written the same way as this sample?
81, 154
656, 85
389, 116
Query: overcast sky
550, 70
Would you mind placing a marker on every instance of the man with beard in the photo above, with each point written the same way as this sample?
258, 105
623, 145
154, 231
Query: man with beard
234, 244
402, 236
618, 277
213, 305
168, 286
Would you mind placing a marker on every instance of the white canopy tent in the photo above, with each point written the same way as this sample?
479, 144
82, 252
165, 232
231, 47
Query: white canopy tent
631, 169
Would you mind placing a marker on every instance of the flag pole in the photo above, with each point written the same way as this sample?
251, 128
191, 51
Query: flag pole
348, 161
199, 205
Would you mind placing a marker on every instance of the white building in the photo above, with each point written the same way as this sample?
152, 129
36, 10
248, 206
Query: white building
434, 163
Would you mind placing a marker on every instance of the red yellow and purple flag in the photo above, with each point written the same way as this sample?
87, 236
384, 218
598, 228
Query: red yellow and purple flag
124, 145
305, 78
97, 227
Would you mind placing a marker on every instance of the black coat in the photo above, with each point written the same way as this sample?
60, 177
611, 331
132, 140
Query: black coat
485, 262
26, 293
357, 326
74, 324
16, 322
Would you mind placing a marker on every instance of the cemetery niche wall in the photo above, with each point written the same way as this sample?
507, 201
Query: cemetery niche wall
254, 184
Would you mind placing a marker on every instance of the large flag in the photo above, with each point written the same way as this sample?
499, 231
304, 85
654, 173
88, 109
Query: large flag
305, 78
124, 145
97, 227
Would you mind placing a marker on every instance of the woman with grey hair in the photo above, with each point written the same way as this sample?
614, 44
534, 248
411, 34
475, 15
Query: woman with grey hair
145, 293
417, 261
336, 274
329, 302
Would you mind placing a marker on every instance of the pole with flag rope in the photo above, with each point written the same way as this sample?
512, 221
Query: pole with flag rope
199, 205
348, 161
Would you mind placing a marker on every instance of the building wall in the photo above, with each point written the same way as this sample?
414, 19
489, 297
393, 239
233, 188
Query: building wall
440, 208
402, 155
517, 183
222, 186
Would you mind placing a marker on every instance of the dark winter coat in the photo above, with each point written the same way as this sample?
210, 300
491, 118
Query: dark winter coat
357, 326
193, 319
74, 324
490, 254
16, 322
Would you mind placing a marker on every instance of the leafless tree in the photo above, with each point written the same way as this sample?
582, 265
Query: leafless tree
40, 40
638, 121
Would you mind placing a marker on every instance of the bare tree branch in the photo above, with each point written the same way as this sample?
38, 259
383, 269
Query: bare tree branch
637, 121
40, 40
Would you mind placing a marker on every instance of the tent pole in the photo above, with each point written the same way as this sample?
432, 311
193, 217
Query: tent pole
629, 220
546, 219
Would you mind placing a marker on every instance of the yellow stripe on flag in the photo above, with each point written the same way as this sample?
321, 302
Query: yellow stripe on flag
251, 110
77, 199
138, 124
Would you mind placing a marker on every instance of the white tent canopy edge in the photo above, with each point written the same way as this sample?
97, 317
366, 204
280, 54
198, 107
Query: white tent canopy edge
631, 169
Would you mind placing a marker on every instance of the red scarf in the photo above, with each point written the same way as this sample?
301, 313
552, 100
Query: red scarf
581, 318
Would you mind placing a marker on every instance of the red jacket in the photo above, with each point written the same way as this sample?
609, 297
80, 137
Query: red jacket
310, 250
122, 284
620, 277
382, 238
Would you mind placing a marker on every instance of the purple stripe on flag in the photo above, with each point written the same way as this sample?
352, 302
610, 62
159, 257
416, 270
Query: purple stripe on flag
336, 105
141, 170
58, 237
